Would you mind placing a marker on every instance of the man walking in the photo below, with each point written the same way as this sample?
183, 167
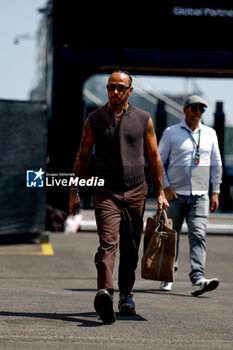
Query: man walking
191, 159
119, 131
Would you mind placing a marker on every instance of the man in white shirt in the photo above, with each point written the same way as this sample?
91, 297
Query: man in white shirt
192, 161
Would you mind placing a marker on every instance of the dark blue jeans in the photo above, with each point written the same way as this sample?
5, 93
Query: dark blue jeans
195, 209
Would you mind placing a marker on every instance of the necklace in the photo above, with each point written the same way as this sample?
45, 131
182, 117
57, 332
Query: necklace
118, 117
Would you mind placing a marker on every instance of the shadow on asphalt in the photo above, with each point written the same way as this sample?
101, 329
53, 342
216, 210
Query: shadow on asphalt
158, 291
147, 291
77, 317
136, 317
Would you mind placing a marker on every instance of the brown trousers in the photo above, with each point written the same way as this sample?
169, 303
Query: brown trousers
119, 213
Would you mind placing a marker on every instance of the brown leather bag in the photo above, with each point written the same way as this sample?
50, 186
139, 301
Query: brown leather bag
159, 249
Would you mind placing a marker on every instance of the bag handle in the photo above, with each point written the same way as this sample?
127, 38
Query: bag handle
162, 216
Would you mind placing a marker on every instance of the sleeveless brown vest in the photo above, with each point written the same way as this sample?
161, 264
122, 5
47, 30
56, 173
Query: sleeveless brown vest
119, 148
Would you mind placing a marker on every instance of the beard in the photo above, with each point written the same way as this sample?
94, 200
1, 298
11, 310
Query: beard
117, 102
116, 105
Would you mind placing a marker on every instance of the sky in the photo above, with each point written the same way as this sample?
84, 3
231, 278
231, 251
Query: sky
18, 62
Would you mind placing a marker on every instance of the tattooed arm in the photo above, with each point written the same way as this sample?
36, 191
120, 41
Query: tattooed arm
155, 165
81, 162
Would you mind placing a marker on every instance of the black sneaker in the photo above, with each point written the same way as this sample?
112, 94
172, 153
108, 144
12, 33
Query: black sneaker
103, 304
126, 305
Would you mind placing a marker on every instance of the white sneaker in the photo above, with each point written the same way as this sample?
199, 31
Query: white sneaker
203, 285
166, 286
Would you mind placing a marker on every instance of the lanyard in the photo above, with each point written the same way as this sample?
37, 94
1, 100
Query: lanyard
197, 144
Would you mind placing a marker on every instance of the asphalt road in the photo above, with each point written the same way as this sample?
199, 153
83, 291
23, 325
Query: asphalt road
47, 301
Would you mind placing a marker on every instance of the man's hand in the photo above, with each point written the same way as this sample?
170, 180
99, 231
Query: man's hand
81, 163
214, 202
162, 203
170, 193
74, 201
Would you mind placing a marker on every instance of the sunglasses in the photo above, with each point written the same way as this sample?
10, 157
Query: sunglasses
196, 108
120, 88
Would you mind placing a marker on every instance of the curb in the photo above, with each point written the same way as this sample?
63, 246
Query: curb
212, 229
